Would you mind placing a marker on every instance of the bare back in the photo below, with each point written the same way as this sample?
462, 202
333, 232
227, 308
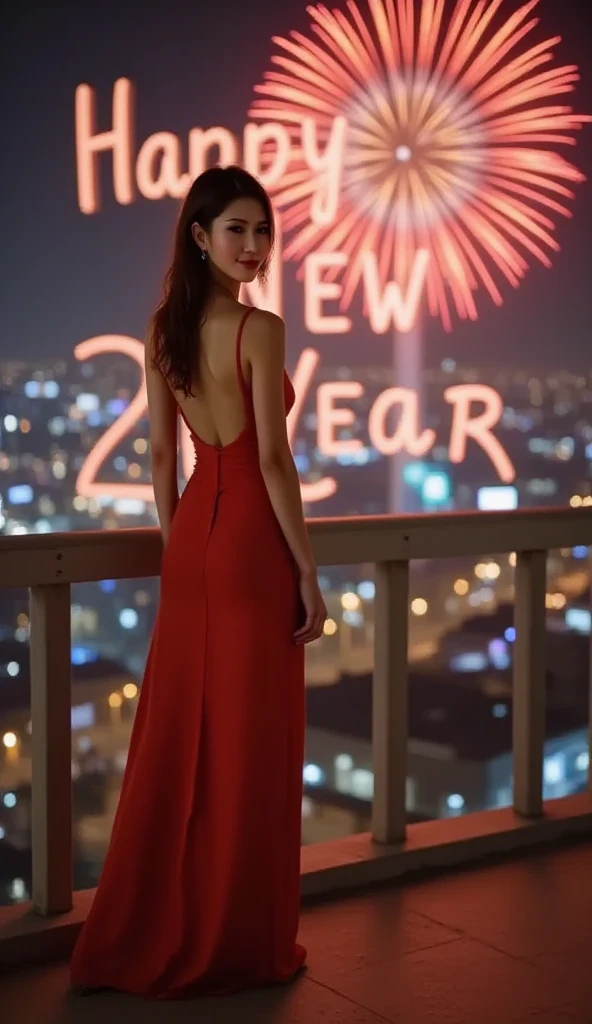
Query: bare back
216, 410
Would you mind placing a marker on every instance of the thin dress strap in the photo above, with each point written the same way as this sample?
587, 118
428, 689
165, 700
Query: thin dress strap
239, 338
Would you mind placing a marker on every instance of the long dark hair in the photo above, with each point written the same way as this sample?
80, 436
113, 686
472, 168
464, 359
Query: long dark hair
174, 328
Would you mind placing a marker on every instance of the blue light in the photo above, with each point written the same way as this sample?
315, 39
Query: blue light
579, 619
313, 775
32, 389
20, 494
499, 710
94, 419
81, 655
510, 634
82, 716
128, 618
115, 406
302, 462
580, 551
469, 661
414, 473
497, 498
355, 619
107, 586
435, 489
554, 769
498, 654
360, 457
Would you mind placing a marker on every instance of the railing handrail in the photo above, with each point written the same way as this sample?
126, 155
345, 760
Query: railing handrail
88, 555
49, 563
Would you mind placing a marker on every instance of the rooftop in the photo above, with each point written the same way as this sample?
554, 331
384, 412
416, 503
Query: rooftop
440, 710
508, 942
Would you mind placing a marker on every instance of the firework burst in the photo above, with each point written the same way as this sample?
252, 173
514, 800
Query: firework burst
454, 126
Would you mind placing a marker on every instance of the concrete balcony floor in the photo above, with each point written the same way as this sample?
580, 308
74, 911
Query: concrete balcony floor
503, 943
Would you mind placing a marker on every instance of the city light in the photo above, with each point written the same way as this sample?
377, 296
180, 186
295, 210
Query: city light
18, 890
362, 783
579, 619
497, 499
128, 618
500, 711
350, 601
130, 690
499, 655
367, 590
330, 627
313, 775
20, 494
487, 570
469, 661
435, 489
419, 606
115, 700
554, 769
461, 587
355, 619
13, 668
9, 740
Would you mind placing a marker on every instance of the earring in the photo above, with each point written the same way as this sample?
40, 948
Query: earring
204, 254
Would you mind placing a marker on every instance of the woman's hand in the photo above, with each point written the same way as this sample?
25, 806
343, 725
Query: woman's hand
314, 607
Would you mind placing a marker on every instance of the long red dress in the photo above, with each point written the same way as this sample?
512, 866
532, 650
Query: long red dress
200, 888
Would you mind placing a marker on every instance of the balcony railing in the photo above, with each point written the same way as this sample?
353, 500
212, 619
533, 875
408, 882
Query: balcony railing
49, 564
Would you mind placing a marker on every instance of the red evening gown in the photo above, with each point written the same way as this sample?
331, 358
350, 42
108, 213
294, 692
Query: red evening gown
200, 888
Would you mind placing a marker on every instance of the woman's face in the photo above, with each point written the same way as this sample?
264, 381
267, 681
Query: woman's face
239, 242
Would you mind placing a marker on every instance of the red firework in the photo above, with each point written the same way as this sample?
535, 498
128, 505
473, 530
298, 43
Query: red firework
453, 130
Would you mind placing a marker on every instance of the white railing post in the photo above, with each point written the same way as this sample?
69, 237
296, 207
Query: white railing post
51, 702
529, 682
389, 701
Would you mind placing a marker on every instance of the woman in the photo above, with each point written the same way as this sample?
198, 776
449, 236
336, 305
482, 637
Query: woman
200, 889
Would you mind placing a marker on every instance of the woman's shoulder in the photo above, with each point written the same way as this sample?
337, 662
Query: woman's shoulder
264, 336
263, 319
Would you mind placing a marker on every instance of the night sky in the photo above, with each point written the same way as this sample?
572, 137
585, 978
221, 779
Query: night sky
67, 276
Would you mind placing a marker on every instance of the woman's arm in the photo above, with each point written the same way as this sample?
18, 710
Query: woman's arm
162, 411
265, 347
